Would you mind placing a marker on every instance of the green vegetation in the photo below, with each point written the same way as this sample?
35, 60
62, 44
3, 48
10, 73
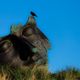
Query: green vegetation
37, 73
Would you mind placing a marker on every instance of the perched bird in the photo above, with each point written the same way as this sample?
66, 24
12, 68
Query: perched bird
25, 45
37, 38
33, 14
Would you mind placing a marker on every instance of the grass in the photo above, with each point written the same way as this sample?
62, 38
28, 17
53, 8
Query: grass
37, 73
24, 73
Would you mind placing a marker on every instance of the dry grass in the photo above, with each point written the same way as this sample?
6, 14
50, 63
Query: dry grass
25, 73
37, 73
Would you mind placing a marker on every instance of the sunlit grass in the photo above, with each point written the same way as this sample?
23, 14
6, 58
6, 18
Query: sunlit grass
24, 73
68, 74
37, 73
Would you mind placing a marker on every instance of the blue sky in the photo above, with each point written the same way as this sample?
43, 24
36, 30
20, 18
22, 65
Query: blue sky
58, 19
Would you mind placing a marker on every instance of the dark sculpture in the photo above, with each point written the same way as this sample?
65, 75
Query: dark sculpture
25, 45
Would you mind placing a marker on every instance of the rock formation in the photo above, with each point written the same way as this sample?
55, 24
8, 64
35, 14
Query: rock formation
25, 45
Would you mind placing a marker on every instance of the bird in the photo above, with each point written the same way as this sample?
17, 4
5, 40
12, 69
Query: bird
33, 14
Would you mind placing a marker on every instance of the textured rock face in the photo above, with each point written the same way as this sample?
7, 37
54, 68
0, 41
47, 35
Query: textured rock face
8, 55
15, 52
32, 33
25, 45
29, 34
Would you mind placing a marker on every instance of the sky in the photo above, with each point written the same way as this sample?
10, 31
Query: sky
58, 19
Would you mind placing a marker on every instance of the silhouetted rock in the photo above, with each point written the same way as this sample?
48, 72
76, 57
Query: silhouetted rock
25, 45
